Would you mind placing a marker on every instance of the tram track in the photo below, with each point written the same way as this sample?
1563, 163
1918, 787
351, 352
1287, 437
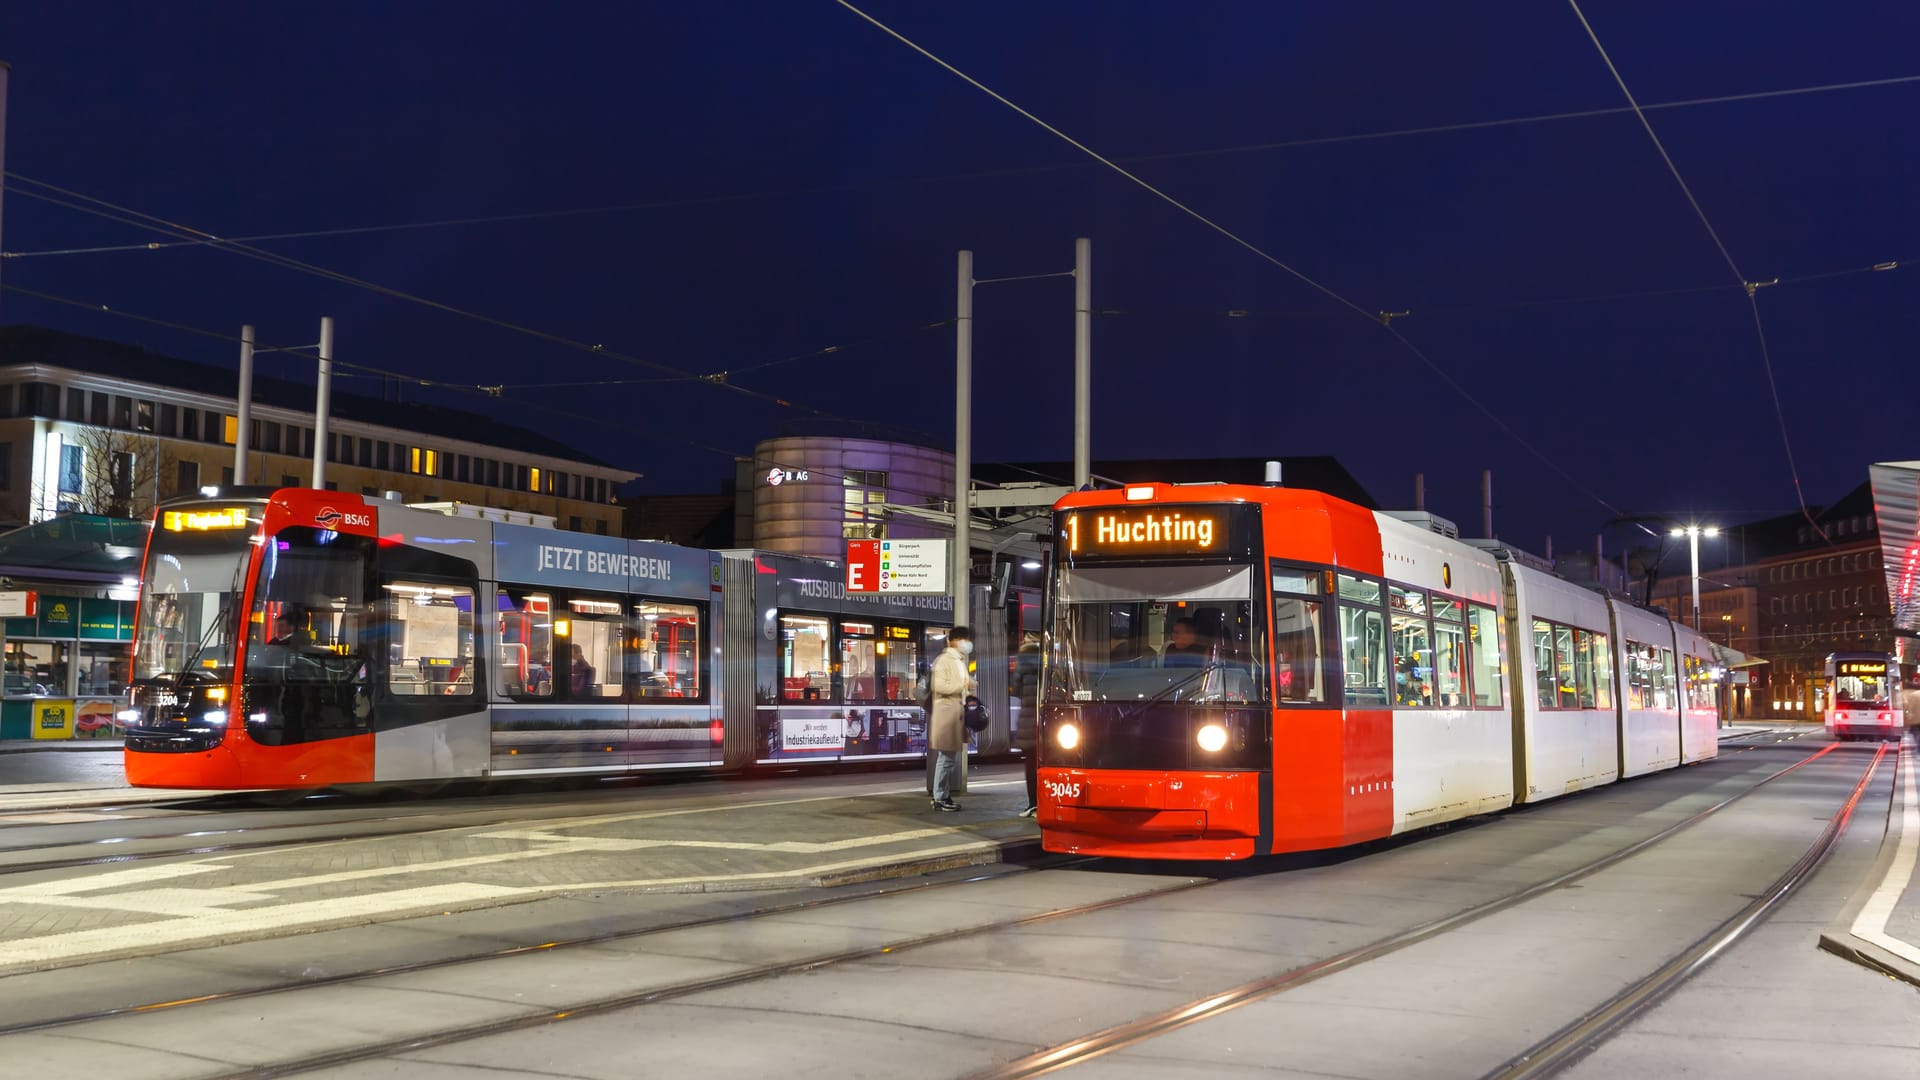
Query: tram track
1121, 1036
494, 818
613, 1002
1584, 1035
1048, 1060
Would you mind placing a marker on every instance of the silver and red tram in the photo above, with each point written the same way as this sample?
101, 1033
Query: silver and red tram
295, 638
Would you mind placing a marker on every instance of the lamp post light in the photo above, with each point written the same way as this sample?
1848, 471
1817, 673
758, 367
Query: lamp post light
1693, 533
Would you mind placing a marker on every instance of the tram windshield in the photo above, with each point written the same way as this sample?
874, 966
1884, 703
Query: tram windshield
1862, 691
1165, 633
190, 592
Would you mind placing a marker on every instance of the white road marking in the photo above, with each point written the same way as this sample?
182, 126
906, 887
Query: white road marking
1871, 924
187, 916
155, 936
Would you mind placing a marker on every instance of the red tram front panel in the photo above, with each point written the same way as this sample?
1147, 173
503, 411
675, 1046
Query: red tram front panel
194, 732
1134, 566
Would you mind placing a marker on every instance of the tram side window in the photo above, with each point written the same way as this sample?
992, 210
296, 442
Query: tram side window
1363, 636
525, 634
898, 664
1566, 667
1546, 685
1486, 660
1299, 671
1412, 648
1665, 695
859, 662
1634, 674
591, 655
1449, 655
806, 672
429, 639
1602, 672
663, 657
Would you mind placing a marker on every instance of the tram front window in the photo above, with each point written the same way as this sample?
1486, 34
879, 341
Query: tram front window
1861, 691
1165, 633
306, 674
189, 601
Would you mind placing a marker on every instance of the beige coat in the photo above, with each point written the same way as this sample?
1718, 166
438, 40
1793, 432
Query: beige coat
947, 729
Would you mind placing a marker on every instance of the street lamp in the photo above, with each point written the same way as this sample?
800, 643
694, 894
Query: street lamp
1693, 533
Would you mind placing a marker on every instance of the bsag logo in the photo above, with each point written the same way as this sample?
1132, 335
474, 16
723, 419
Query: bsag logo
328, 517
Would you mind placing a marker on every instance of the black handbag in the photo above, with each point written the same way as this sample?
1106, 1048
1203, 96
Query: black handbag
975, 715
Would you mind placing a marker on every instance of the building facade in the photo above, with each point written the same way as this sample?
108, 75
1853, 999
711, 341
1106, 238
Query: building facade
810, 494
89, 426
1803, 588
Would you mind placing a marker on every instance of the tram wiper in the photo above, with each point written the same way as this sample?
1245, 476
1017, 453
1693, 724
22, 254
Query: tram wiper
1160, 695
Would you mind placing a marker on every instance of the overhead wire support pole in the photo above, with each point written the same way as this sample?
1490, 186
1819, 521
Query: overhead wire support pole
962, 438
1082, 362
243, 416
322, 402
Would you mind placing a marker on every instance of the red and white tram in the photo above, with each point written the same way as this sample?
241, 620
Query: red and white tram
1239, 670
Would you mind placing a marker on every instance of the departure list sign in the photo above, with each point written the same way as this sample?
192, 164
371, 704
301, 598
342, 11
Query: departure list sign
897, 566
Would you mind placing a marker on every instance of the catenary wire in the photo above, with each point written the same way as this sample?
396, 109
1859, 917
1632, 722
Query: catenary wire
119, 213
1172, 155
452, 387
1375, 317
1751, 287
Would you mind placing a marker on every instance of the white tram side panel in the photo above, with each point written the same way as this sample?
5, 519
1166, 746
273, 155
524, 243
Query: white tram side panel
1699, 696
1648, 697
1567, 727
450, 747
1451, 760
645, 617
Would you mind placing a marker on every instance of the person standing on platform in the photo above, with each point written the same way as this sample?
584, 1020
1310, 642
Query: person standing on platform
1026, 690
947, 729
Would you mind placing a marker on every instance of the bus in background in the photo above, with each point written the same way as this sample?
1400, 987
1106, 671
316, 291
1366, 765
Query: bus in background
1863, 696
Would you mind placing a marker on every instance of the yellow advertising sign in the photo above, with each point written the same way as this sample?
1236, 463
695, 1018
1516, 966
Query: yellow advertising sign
53, 718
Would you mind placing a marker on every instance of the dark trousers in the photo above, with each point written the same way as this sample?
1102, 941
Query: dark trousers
1032, 754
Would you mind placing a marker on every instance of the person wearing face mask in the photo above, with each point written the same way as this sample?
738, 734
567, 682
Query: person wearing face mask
947, 731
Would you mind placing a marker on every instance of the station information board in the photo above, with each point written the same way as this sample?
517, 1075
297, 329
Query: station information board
897, 566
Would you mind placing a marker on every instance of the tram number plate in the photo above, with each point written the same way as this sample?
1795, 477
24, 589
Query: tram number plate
1070, 790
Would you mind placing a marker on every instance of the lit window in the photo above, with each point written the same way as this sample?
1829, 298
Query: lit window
533, 480
230, 430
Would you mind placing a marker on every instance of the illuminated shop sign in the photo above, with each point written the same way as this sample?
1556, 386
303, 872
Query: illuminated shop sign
203, 520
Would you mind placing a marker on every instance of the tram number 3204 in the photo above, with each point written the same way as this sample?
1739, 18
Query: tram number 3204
1063, 791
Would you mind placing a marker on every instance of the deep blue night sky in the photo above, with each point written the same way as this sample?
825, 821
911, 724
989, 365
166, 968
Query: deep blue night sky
810, 180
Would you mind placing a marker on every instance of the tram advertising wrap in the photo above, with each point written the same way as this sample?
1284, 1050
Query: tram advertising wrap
840, 670
1237, 670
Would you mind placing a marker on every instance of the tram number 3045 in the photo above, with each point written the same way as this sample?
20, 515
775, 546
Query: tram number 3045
1063, 791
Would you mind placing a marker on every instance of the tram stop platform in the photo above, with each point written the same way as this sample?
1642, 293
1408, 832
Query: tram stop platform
1880, 926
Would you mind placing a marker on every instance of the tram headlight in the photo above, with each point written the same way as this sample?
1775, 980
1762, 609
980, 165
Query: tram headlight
1067, 735
216, 718
1212, 737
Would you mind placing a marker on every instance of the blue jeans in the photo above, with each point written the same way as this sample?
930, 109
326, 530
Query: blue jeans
945, 764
